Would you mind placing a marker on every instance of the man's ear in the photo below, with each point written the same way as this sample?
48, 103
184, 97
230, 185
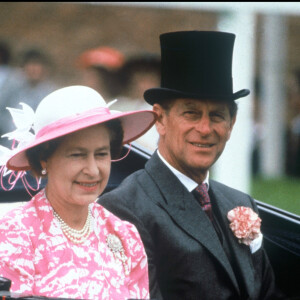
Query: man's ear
232, 122
160, 122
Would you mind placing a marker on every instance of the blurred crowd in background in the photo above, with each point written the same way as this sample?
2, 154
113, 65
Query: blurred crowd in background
292, 127
28, 77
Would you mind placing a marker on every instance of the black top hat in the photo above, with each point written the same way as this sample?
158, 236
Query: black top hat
195, 64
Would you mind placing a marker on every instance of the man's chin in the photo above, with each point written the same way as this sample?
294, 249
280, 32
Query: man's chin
203, 165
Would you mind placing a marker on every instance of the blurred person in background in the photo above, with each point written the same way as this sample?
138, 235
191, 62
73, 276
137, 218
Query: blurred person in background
7, 71
99, 69
37, 68
257, 130
34, 84
293, 132
139, 73
10, 81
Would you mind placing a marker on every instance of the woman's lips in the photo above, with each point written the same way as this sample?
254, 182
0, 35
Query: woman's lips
88, 186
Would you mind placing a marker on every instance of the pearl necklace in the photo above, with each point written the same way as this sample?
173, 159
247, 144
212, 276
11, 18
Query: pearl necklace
76, 236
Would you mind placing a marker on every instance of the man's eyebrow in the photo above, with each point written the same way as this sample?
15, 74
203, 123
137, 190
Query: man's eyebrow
189, 104
220, 107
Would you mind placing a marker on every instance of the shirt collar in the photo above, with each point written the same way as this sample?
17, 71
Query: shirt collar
189, 183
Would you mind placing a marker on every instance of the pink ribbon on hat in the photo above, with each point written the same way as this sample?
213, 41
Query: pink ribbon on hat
70, 120
14, 177
61, 123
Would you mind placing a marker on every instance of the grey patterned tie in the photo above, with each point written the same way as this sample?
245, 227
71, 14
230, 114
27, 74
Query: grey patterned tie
203, 197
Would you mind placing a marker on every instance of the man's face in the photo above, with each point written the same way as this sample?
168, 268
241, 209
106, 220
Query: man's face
193, 134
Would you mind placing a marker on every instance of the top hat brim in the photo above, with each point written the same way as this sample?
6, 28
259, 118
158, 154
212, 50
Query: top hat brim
157, 95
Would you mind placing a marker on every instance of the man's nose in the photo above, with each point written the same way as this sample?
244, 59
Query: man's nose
204, 125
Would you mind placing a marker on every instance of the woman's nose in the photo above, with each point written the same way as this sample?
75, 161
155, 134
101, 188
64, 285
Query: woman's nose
91, 167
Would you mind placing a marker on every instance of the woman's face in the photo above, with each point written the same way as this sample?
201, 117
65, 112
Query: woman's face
78, 170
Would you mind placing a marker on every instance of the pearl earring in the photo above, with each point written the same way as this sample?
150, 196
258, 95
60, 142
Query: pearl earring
44, 171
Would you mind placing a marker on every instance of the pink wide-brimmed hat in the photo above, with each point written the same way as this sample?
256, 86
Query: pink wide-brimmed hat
64, 111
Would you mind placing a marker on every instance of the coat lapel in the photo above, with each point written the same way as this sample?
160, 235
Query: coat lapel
241, 253
186, 212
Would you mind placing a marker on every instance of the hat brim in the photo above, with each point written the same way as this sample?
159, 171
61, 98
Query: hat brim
134, 124
156, 95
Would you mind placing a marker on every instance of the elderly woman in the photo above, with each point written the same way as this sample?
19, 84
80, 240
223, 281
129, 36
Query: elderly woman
62, 243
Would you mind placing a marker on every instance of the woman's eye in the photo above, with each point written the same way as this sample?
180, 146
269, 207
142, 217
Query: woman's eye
102, 154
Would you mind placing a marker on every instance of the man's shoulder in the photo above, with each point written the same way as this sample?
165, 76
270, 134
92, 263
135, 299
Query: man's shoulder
232, 195
131, 182
128, 187
128, 200
225, 189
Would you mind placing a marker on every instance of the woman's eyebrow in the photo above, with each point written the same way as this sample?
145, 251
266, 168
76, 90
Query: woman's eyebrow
81, 148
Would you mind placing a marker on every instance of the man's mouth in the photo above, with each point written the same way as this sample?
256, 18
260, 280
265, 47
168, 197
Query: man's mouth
202, 145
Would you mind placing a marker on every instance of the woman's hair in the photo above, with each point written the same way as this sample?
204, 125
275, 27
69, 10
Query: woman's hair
116, 133
45, 150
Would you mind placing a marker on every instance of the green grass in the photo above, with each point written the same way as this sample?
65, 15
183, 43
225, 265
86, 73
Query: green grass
283, 192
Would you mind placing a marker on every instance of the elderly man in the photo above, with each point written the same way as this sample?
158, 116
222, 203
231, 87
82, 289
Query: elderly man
189, 223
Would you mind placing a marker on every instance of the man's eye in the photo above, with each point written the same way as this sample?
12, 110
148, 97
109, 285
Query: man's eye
191, 115
76, 154
189, 112
217, 117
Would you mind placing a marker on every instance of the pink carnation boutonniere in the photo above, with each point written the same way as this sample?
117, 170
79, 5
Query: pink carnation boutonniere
245, 224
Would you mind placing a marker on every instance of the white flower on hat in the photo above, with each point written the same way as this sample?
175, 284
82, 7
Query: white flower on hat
23, 120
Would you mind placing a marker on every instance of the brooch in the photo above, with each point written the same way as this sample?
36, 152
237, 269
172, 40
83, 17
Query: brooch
115, 245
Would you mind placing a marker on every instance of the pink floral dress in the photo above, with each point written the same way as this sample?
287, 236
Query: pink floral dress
40, 260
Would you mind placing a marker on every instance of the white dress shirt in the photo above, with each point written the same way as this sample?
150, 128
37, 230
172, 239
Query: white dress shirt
189, 183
